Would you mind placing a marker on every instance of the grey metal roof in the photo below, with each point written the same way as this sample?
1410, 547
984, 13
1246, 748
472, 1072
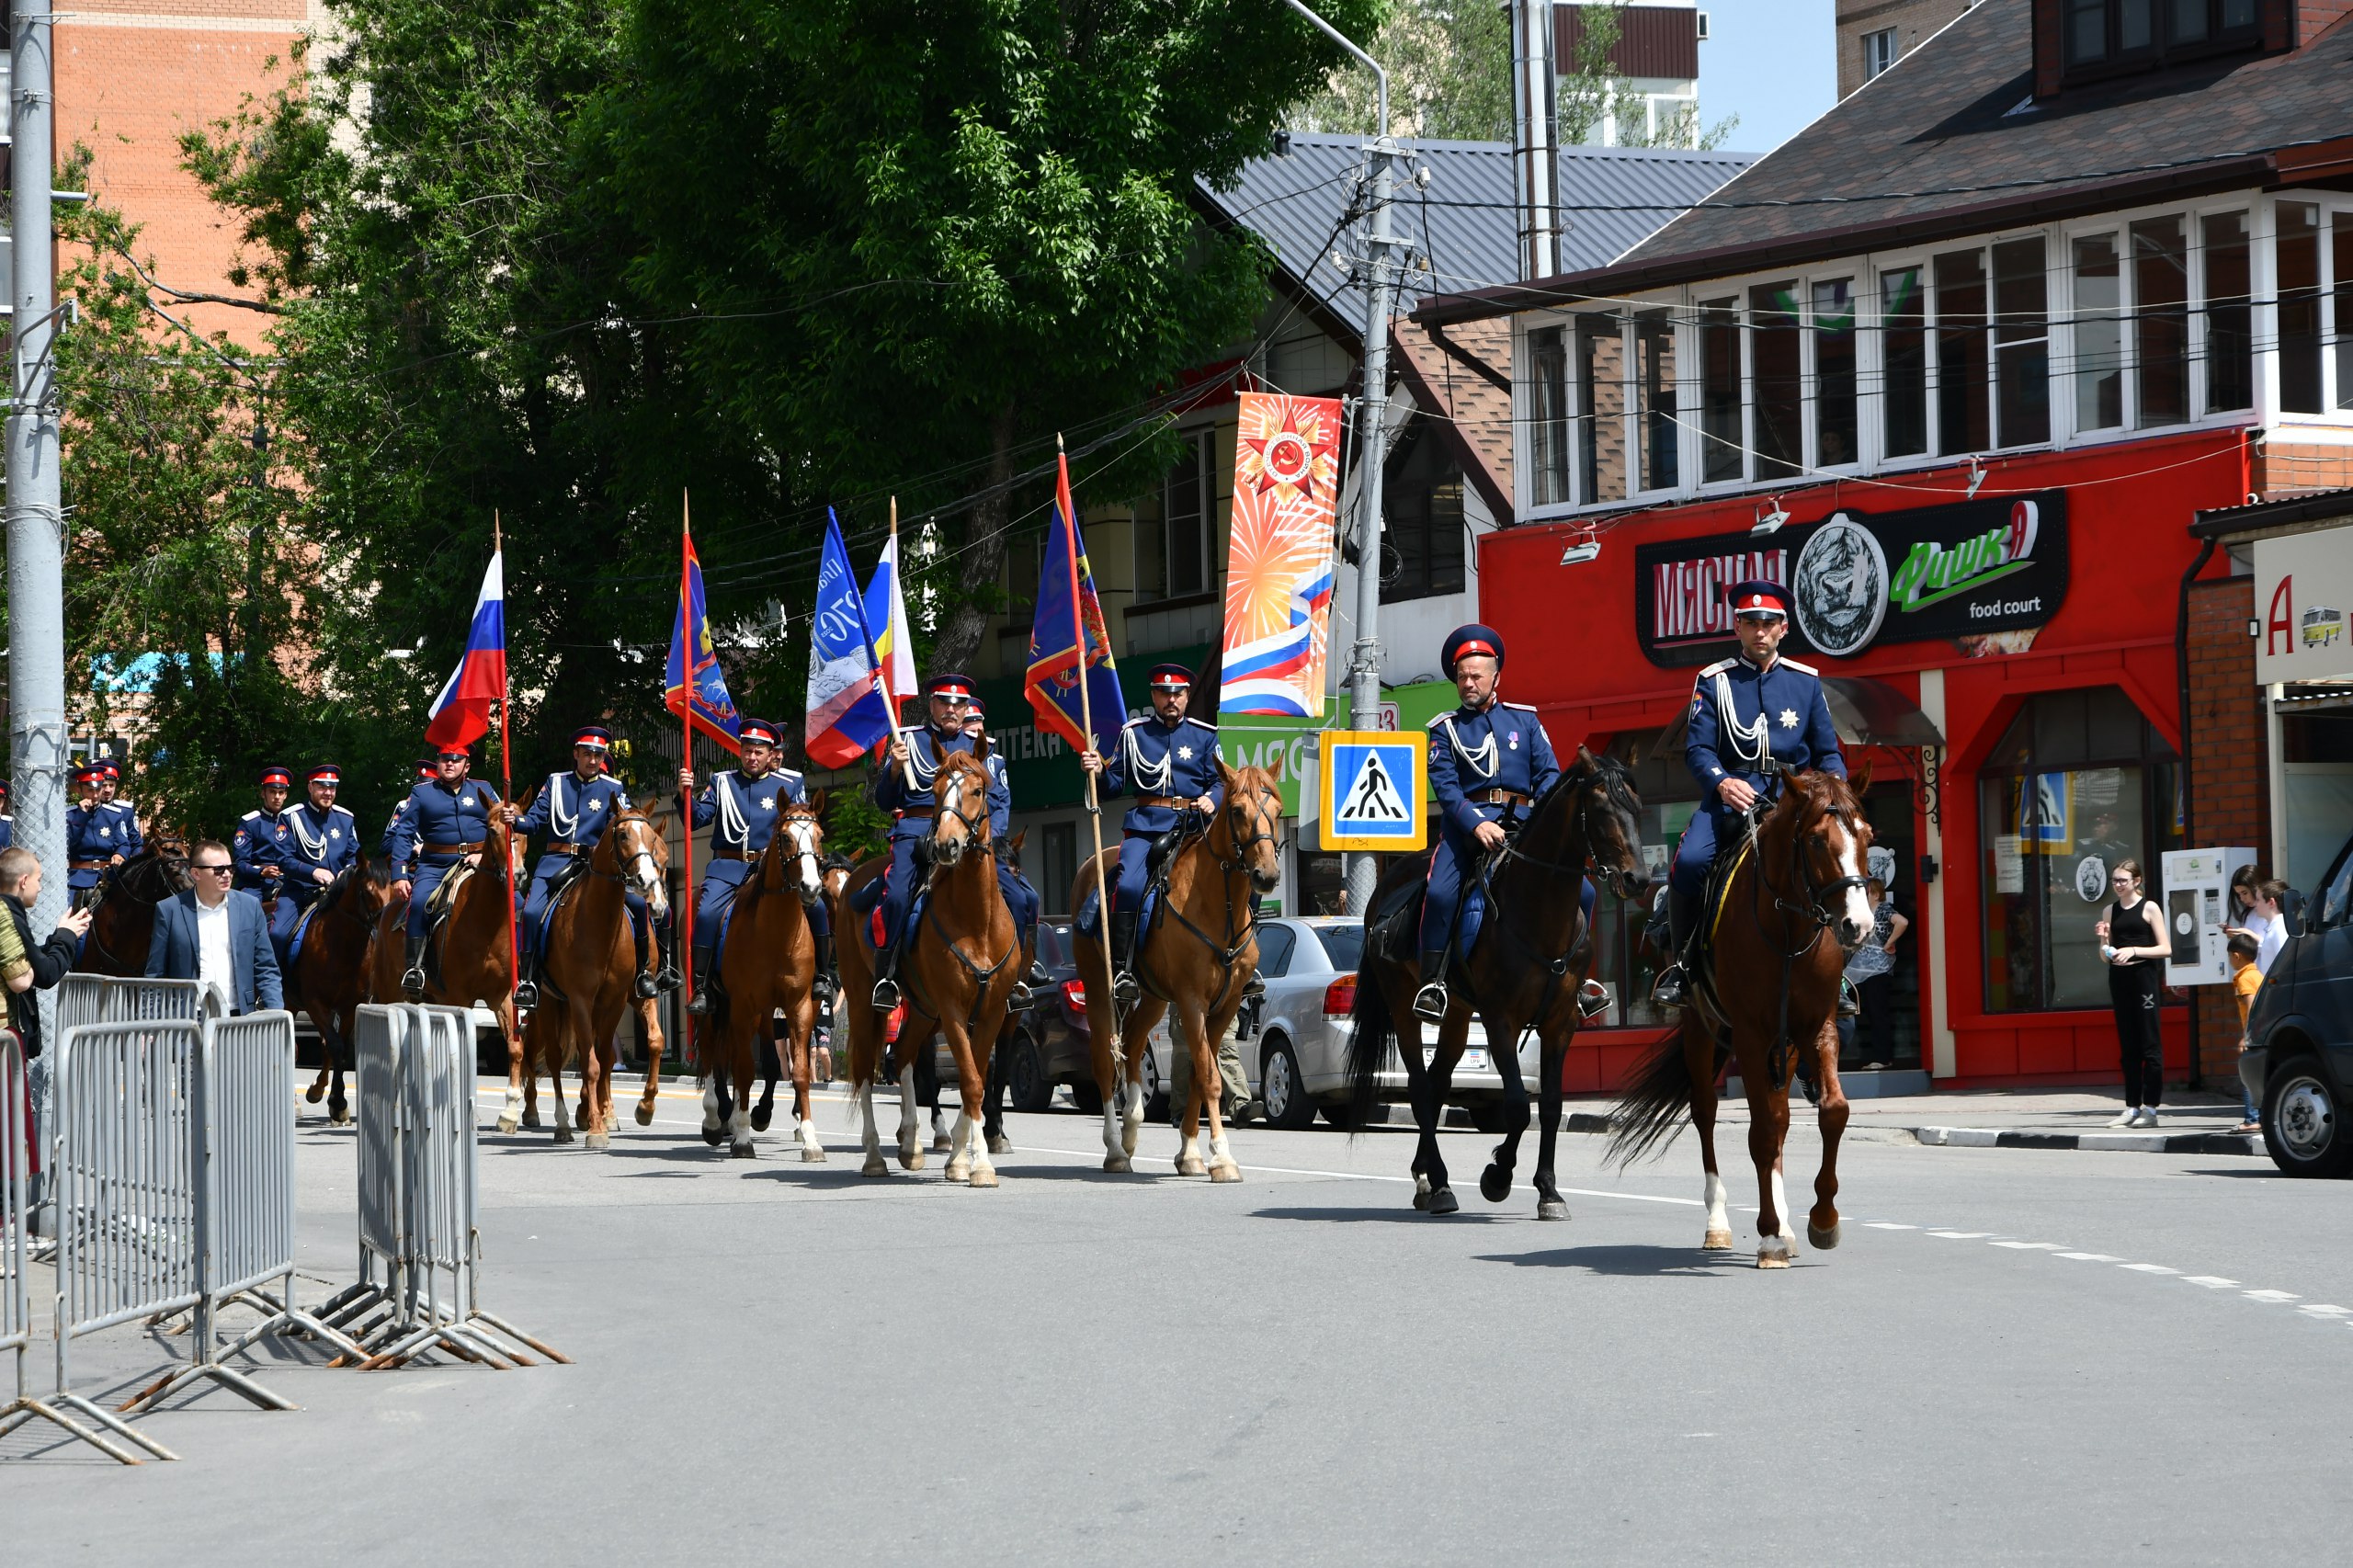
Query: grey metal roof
1611, 198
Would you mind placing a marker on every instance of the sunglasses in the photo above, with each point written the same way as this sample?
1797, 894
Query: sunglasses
218, 871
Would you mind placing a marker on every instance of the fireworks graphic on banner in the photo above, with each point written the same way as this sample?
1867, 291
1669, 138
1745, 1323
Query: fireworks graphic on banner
1278, 568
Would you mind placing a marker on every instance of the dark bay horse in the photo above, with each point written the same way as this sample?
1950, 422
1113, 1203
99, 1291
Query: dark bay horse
328, 979
956, 971
1771, 990
125, 901
1199, 957
1534, 951
769, 964
469, 957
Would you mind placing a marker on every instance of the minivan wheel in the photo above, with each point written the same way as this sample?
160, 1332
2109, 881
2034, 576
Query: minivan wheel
1287, 1105
2302, 1124
1026, 1083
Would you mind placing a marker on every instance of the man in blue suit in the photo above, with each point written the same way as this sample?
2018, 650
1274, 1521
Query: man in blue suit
217, 934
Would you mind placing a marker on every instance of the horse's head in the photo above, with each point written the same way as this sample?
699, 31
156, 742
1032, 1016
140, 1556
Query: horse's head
959, 820
360, 889
641, 857
1831, 835
833, 871
171, 853
1610, 814
800, 840
1251, 820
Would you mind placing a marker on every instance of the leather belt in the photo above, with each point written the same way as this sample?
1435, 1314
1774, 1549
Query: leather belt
565, 849
448, 851
1170, 802
1496, 798
87, 865
727, 855
918, 811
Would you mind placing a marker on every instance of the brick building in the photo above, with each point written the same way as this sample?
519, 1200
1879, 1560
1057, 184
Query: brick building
1874, 34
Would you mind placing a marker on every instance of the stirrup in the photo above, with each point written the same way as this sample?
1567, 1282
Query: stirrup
1124, 989
1593, 999
1257, 986
1022, 1000
886, 994
413, 984
1672, 989
1851, 1006
1430, 1002
646, 986
700, 1006
527, 994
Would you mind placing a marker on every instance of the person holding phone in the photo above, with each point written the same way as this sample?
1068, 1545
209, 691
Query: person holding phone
2130, 945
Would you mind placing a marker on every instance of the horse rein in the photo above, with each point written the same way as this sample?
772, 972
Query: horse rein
1230, 869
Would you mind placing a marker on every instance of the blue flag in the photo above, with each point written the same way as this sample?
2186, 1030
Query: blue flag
846, 713
1068, 634
695, 688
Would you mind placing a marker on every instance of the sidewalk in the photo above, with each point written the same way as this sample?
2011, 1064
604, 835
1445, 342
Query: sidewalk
2188, 1123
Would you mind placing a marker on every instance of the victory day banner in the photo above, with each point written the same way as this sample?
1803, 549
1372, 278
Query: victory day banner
1278, 565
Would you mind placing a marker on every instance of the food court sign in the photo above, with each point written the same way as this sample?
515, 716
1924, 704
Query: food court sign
1863, 578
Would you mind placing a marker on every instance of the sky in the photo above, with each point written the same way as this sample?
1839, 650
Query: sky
1773, 63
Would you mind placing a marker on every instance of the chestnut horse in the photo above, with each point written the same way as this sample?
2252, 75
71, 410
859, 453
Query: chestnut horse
329, 976
1533, 953
1771, 989
591, 968
1198, 957
956, 971
769, 964
123, 923
475, 958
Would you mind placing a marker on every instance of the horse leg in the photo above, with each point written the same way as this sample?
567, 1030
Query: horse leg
554, 1051
654, 1044
804, 1131
743, 1058
1136, 1041
511, 1117
1431, 1193
1550, 1204
347, 1023
317, 1091
1209, 1094
871, 1140
992, 1107
596, 1083
966, 1159
1768, 1121
1700, 1062
713, 1128
1503, 1045
911, 1153
927, 1093
1822, 1220
763, 1033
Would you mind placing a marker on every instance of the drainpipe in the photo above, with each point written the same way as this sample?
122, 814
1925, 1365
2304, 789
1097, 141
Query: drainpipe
2188, 776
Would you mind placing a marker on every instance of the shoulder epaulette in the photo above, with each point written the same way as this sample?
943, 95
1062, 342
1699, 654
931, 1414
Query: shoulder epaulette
1802, 669
1135, 722
338, 810
1442, 719
250, 816
1522, 706
1201, 722
1719, 667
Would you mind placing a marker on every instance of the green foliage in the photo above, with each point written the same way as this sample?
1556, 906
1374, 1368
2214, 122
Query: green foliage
855, 826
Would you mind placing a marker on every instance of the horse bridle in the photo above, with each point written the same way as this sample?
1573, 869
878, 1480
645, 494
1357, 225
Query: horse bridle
1817, 905
972, 822
1606, 771
647, 855
816, 861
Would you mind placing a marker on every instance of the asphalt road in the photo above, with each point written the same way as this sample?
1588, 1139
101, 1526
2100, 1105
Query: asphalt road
779, 1359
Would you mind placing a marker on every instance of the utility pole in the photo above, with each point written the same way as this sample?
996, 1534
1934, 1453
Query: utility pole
1378, 272
36, 524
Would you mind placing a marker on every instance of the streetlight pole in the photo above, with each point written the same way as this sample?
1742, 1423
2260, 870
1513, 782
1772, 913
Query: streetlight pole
1382, 267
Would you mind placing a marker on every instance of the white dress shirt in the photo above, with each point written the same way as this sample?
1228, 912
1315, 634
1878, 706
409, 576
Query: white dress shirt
213, 965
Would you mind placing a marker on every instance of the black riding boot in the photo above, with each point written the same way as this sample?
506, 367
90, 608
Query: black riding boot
526, 979
704, 980
1124, 989
827, 982
886, 978
1682, 918
413, 969
665, 944
1429, 1002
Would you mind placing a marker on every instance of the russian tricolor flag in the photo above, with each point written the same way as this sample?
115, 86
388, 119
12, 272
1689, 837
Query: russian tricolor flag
461, 713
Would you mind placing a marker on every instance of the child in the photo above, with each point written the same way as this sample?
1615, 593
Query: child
2246, 975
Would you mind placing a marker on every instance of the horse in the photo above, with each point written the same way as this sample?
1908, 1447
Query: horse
1200, 957
474, 953
768, 964
122, 922
956, 972
591, 967
539, 1056
1771, 991
1533, 952
328, 977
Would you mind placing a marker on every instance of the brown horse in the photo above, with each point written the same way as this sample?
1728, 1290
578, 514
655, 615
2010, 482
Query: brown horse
476, 959
591, 967
768, 965
537, 1057
123, 922
1771, 990
1198, 957
329, 977
956, 971
1533, 952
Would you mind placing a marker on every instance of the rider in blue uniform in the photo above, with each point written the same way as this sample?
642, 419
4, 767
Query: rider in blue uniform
448, 821
574, 809
1753, 718
1020, 897
743, 801
915, 751
428, 770
1170, 762
98, 834
318, 843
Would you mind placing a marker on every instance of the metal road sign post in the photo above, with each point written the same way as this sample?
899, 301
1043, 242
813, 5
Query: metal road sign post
1375, 788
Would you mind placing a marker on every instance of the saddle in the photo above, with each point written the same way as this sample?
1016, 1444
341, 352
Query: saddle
1157, 857
568, 877
437, 915
1699, 964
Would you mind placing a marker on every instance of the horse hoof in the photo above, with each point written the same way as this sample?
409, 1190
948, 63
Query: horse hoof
712, 1135
811, 1156
1191, 1165
530, 1118
740, 1150
1552, 1209
1422, 1200
1823, 1240
1442, 1201
1716, 1241
645, 1115
339, 1115
564, 1134
761, 1116
510, 1122
1767, 1259
983, 1176
1117, 1163
939, 1143
875, 1165
1494, 1183
1000, 1144
313, 1094
959, 1170
913, 1161
1225, 1171
597, 1143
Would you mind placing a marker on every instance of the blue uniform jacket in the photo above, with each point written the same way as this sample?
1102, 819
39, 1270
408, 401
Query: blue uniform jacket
925, 746
1153, 759
745, 808
8, 831
570, 812
395, 836
439, 821
1502, 746
1777, 712
316, 840
1000, 798
101, 832
258, 848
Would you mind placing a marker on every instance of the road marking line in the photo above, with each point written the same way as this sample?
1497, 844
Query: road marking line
1961, 1235
2269, 1295
2150, 1268
2028, 1246
2089, 1257
2211, 1281
2322, 1310
1887, 1225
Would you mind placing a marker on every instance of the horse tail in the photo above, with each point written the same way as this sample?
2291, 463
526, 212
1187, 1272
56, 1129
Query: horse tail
1374, 1033
1650, 1115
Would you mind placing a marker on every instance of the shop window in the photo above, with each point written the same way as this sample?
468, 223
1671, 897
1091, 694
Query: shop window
1836, 430
1601, 409
1173, 549
1318, 886
1621, 958
2160, 321
2299, 303
2229, 314
1904, 324
2079, 782
2099, 334
1963, 422
1057, 866
1777, 378
1548, 430
1654, 421
1423, 526
1720, 438
2021, 344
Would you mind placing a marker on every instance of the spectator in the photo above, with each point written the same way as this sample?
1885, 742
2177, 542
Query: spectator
25, 966
2247, 978
2266, 921
1872, 972
217, 934
2129, 946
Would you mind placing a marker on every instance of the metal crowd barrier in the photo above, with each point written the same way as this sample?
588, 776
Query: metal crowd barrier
106, 999
419, 1237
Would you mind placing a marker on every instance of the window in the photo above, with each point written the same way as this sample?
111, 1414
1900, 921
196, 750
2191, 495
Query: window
2160, 321
1655, 425
1903, 319
2299, 321
1836, 431
2103, 35
1777, 378
2229, 314
2340, 256
1057, 866
1963, 423
2078, 782
1548, 432
1173, 550
1720, 437
1601, 409
1879, 51
2021, 344
1422, 518
2099, 334
1274, 943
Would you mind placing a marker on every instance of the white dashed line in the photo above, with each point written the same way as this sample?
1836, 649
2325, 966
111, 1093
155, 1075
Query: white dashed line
2322, 1310
2030, 1247
2270, 1295
1961, 1235
2089, 1257
1886, 1225
2150, 1268
2211, 1281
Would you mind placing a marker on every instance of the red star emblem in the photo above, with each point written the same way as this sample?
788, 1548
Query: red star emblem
1287, 456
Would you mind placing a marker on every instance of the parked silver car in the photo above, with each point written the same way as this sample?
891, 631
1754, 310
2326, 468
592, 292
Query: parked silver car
1297, 1056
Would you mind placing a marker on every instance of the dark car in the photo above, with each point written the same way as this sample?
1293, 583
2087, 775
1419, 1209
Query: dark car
1048, 1044
2299, 1063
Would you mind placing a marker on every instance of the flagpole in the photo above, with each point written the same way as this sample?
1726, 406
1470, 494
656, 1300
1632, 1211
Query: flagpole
507, 770
687, 745
882, 666
1103, 888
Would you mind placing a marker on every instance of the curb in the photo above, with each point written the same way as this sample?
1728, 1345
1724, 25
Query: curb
2245, 1143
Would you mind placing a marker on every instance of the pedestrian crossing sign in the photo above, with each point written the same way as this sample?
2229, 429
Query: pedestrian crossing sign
1375, 790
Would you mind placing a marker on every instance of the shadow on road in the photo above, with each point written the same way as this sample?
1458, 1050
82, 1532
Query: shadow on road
1632, 1261
1380, 1216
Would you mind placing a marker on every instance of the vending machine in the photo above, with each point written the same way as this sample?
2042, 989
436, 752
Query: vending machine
2198, 904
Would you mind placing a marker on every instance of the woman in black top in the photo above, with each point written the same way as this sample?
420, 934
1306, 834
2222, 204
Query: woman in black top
2134, 948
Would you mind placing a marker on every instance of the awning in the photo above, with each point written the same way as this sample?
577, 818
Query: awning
1865, 712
